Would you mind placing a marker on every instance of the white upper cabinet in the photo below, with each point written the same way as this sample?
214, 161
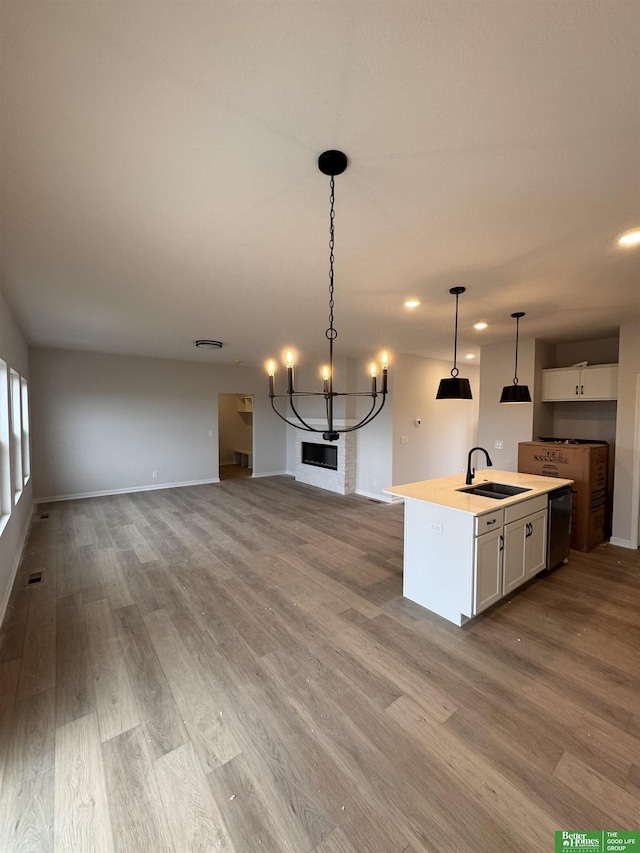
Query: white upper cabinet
595, 382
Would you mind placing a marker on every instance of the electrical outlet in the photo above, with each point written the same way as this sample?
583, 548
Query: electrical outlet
210, 433
404, 439
375, 481
499, 444
435, 527
154, 474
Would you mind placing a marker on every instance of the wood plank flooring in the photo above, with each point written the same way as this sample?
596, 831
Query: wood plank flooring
233, 668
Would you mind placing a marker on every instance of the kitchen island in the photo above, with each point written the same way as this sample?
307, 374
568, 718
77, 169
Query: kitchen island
464, 551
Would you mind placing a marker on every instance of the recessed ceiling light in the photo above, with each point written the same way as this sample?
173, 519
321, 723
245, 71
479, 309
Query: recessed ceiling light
411, 303
207, 344
480, 326
470, 355
630, 238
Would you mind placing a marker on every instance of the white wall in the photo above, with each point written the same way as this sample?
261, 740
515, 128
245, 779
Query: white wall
509, 423
13, 351
103, 423
235, 428
600, 351
439, 446
374, 459
545, 357
626, 482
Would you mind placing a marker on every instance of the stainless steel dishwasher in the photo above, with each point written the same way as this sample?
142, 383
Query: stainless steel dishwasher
559, 535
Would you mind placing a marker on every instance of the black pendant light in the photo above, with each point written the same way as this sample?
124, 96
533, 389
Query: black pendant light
516, 393
455, 388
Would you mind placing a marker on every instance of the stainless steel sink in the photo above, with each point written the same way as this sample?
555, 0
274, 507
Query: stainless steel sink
497, 491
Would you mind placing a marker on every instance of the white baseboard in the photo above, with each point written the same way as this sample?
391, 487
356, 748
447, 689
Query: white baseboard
621, 543
374, 496
16, 563
128, 491
272, 474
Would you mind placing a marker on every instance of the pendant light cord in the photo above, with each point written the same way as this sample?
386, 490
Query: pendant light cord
515, 377
455, 370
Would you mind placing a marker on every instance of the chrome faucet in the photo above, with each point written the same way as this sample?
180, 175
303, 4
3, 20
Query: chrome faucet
471, 471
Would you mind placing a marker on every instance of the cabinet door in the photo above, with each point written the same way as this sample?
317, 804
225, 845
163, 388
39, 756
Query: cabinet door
561, 384
599, 383
515, 571
488, 570
535, 543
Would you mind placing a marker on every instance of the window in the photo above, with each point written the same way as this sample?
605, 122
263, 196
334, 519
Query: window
5, 459
26, 456
16, 435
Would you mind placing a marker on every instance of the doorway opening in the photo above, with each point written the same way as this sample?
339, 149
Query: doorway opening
235, 435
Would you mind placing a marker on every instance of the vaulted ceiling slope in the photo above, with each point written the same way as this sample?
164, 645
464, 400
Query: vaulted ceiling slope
160, 180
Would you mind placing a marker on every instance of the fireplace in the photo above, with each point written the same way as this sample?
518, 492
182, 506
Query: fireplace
320, 455
324, 464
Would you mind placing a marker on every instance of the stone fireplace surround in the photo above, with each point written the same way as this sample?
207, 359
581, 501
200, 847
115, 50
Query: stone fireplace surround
342, 481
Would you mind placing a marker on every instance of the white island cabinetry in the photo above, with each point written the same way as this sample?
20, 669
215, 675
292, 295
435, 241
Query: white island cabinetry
462, 552
487, 570
525, 541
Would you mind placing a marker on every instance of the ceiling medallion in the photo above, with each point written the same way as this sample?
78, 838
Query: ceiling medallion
206, 344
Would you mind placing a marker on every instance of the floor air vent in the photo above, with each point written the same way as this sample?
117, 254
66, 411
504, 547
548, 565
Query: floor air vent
44, 515
36, 577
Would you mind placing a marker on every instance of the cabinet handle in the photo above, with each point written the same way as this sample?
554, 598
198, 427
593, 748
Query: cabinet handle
581, 390
529, 529
491, 522
501, 543
576, 390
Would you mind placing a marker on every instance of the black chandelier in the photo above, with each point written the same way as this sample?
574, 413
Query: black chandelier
330, 163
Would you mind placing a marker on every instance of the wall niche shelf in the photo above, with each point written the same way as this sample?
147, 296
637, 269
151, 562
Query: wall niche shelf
245, 403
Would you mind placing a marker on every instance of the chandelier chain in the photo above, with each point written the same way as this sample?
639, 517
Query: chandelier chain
331, 332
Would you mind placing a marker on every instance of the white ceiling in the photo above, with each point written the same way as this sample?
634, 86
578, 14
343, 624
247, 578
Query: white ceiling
160, 180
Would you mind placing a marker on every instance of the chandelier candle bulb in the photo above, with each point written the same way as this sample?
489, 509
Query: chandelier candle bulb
289, 362
325, 379
374, 371
271, 370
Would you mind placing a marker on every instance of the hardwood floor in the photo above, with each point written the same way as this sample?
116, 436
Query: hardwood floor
233, 667
233, 472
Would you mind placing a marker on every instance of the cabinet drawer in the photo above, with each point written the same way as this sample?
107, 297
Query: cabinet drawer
526, 507
489, 521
